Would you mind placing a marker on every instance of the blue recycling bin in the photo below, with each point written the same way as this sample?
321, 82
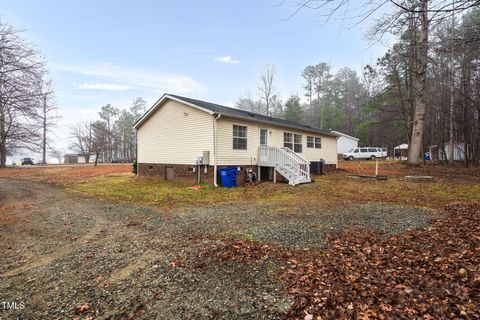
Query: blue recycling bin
228, 176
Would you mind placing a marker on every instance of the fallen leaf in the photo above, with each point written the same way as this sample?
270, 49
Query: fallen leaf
82, 308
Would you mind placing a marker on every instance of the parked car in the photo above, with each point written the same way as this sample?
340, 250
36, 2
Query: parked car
116, 160
26, 161
371, 153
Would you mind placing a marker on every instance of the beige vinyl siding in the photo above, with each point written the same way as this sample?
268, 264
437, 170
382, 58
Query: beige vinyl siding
328, 152
228, 156
175, 134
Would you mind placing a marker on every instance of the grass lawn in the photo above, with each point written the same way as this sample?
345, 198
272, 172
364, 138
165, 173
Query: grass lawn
327, 191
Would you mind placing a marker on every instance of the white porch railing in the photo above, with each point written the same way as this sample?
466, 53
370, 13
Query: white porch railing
291, 165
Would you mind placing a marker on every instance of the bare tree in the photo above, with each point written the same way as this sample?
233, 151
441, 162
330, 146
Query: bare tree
82, 137
47, 118
99, 138
107, 113
21, 71
138, 107
267, 89
451, 143
428, 12
248, 103
57, 154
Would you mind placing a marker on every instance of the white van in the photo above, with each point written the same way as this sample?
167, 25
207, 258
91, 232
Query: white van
365, 153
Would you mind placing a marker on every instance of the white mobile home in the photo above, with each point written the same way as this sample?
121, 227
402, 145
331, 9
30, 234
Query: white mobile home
75, 158
345, 142
179, 137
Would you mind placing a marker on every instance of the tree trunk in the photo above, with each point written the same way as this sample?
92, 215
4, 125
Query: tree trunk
3, 142
451, 144
44, 138
415, 147
465, 104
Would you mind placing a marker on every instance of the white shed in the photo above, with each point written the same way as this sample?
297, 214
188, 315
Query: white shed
345, 142
458, 152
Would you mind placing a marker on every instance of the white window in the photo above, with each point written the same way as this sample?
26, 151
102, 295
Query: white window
297, 143
239, 137
288, 140
263, 136
318, 143
314, 142
310, 143
292, 141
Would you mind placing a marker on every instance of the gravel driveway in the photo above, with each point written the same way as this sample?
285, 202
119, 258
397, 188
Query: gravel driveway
66, 256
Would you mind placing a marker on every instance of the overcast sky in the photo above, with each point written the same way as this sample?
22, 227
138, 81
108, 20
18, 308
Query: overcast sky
104, 51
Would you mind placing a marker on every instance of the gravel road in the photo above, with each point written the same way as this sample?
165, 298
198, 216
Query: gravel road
68, 256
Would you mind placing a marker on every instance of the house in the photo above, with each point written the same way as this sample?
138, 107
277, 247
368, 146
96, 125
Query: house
72, 158
179, 137
345, 142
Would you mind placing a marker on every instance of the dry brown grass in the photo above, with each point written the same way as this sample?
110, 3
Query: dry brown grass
453, 171
64, 174
452, 183
331, 190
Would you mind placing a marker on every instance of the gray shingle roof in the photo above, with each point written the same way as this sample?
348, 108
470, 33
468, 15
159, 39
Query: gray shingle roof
251, 116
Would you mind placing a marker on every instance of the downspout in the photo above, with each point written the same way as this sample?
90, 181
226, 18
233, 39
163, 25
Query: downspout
336, 152
215, 148
136, 151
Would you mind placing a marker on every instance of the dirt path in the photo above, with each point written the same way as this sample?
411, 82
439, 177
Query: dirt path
62, 250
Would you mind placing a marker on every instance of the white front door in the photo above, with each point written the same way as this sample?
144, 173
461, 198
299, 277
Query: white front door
263, 137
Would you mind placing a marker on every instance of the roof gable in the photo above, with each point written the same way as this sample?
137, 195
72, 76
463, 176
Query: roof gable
344, 135
159, 103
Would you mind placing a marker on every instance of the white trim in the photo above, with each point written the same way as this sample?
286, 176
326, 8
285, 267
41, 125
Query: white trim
313, 137
293, 140
246, 136
260, 136
314, 143
344, 135
160, 102
215, 148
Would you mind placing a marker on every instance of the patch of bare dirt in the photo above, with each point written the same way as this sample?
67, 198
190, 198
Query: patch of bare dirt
64, 174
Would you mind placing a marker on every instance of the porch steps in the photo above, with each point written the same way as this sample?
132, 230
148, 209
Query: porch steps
289, 164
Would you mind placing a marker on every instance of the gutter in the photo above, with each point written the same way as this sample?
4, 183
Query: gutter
215, 148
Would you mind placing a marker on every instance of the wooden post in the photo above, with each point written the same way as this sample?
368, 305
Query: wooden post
376, 167
274, 175
258, 176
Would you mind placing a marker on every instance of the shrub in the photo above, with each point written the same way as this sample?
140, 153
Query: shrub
135, 166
